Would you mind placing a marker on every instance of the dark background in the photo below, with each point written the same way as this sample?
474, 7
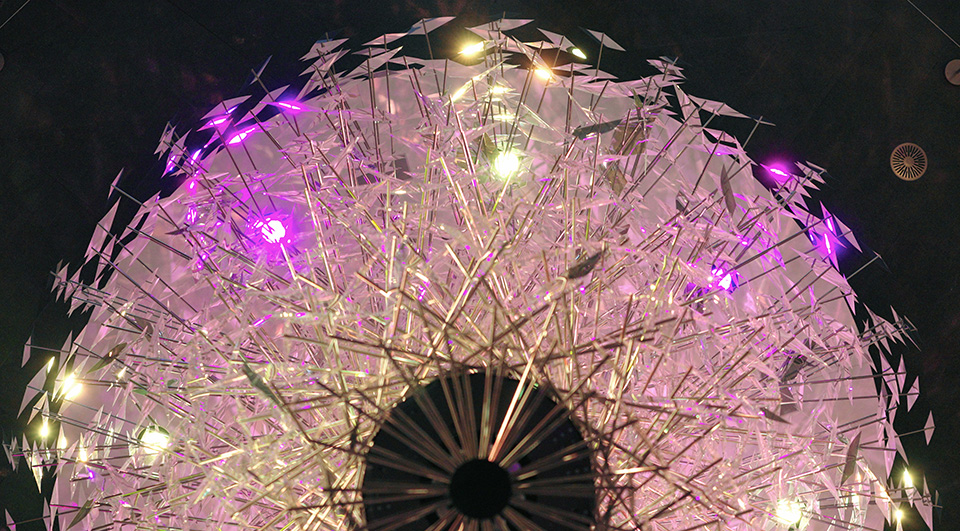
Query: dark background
87, 88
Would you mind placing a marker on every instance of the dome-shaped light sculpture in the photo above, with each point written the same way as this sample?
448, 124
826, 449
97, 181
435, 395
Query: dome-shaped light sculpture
359, 315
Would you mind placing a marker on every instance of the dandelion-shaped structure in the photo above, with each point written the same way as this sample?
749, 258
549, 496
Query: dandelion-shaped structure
509, 292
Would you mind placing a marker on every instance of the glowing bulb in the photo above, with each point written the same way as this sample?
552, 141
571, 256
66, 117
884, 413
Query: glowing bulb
907, 479
543, 73
779, 172
506, 164
50, 365
577, 52
473, 49
789, 512
82, 455
44, 429
899, 514
154, 439
497, 89
71, 387
273, 230
460, 92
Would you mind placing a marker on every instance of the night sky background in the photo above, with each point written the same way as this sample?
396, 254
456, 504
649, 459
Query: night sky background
86, 89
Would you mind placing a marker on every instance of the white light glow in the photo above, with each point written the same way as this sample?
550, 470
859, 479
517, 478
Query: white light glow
71, 387
577, 52
544, 73
154, 440
472, 49
273, 230
460, 92
506, 164
907, 479
789, 511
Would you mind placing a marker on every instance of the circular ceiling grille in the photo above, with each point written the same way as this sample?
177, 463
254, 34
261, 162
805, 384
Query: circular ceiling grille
908, 161
442, 459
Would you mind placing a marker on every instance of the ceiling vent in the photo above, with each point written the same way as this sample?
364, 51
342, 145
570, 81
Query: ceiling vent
908, 161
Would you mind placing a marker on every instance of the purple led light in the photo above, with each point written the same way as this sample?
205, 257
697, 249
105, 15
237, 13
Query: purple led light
239, 137
272, 230
290, 106
778, 171
728, 280
191, 216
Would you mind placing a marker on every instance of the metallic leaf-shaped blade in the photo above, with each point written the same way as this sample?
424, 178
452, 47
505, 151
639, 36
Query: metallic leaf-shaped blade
850, 463
586, 131
82, 512
109, 358
585, 267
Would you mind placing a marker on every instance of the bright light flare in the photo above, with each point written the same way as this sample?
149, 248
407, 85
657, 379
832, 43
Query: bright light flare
290, 106
239, 137
577, 52
789, 512
778, 171
907, 479
544, 73
272, 230
473, 49
154, 440
460, 92
506, 164
71, 387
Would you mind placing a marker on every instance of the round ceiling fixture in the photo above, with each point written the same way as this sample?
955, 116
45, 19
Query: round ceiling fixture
474, 447
908, 161
952, 71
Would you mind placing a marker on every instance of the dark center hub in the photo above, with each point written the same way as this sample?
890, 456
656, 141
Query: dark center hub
480, 489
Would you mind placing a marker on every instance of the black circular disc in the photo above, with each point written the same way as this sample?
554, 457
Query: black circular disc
445, 454
480, 489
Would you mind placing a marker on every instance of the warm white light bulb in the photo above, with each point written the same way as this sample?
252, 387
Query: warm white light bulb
44, 429
472, 49
506, 164
543, 73
154, 440
789, 512
907, 479
577, 52
71, 387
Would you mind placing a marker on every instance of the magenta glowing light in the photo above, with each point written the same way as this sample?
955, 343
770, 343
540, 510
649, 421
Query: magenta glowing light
273, 230
728, 281
778, 171
239, 137
290, 106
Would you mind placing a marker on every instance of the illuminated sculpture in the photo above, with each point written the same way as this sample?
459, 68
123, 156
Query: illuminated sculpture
509, 292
